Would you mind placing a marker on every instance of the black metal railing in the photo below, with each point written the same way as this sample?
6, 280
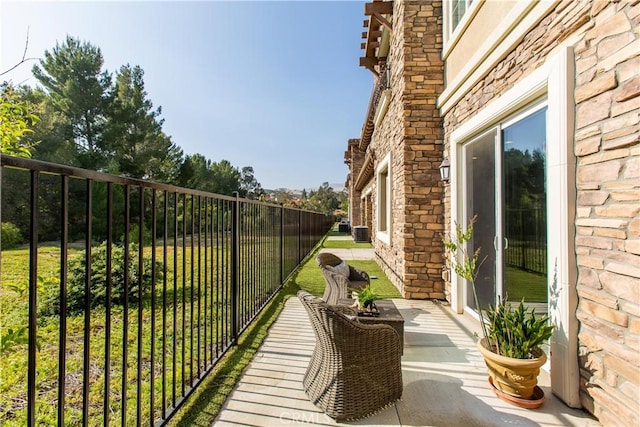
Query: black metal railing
152, 285
527, 240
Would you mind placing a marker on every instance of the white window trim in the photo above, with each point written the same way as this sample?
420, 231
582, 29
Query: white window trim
450, 37
366, 193
555, 80
385, 164
383, 106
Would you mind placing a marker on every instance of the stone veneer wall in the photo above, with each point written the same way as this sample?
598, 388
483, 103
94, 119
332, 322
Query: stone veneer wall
412, 131
387, 137
423, 150
355, 159
607, 95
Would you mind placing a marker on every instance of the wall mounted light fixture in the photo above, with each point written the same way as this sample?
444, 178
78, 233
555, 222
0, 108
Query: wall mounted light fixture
445, 169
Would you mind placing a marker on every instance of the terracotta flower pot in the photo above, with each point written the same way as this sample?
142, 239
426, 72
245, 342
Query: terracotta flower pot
516, 377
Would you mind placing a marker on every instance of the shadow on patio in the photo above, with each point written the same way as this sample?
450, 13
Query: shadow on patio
445, 380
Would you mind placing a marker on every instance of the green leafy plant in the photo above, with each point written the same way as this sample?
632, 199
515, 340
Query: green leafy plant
516, 333
13, 338
366, 296
16, 121
511, 333
464, 264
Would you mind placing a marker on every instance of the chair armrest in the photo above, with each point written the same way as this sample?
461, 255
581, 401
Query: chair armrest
382, 337
350, 312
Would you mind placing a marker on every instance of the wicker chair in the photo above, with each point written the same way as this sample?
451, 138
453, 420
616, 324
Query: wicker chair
355, 368
338, 286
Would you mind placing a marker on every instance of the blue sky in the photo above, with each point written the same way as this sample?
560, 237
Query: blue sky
270, 84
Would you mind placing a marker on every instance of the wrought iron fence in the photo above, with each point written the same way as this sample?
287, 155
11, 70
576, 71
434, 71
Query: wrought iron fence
527, 247
154, 283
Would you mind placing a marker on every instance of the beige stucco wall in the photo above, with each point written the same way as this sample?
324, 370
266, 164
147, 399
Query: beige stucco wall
606, 144
489, 17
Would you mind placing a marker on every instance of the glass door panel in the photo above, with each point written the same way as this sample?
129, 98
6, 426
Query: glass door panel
524, 210
480, 200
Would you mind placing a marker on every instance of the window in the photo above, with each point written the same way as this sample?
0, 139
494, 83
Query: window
383, 179
455, 11
383, 206
458, 8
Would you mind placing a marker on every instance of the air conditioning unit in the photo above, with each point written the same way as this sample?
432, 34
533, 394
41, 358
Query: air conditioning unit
361, 234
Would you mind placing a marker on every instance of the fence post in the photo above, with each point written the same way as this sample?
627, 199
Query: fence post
282, 244
235, 267
33, 303
299, 236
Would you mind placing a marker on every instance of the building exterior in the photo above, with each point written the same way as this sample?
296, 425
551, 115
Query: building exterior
535, 104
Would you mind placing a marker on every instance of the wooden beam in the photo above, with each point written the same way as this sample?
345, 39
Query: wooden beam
364, 34
373, 70
375, 34
363, 45
381, 7
368, 62
365, 23
383, 21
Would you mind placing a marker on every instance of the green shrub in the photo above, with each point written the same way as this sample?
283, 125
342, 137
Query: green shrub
11, 236
77, 275
134, 234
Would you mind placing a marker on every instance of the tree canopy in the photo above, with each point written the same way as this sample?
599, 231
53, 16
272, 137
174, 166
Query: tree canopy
15, 123
82, 115
78, 88
106, 122
134, 131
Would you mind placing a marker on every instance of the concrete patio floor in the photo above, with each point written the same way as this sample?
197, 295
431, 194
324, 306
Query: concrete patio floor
445, 380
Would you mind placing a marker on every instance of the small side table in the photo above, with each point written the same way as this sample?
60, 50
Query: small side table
389, 315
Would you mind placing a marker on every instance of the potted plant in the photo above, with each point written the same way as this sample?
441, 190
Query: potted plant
511, 338
366, 298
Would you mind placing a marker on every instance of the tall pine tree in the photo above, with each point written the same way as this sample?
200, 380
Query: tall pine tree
134, 131
72, 75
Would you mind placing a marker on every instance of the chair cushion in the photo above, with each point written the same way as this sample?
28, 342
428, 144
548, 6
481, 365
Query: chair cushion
342, 269
358, 284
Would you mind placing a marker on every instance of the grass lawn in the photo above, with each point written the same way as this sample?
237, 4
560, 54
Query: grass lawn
310, 278
522, 284
13, 363
347, 244
334, 232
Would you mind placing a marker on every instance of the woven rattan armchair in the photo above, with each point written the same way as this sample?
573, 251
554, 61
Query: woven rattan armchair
355, 368
338, 286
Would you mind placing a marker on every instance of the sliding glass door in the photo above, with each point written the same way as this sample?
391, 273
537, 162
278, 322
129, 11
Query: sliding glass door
504, 178
524, 208
480, 201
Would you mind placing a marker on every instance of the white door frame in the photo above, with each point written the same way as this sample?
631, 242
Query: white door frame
554, 80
